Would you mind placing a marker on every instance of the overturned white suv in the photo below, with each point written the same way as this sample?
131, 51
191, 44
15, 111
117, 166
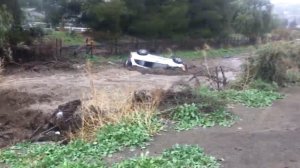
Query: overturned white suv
142, 58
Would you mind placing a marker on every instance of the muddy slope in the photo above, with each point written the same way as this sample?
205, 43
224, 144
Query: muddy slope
16, 121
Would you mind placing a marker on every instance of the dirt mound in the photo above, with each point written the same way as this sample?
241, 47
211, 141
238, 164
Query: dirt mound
16, 122
63, 121
15, 128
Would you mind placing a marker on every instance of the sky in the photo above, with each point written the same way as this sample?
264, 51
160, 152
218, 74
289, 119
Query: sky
285, 1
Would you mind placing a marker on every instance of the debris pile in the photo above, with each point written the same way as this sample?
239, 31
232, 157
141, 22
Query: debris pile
64, 120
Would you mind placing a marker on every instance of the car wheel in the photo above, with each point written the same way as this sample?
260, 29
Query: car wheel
128, 63
143, 52
177, 60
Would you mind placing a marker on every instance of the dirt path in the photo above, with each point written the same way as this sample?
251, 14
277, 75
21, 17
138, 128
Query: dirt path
263, 138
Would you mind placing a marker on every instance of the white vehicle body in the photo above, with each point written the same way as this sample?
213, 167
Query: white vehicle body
153, 61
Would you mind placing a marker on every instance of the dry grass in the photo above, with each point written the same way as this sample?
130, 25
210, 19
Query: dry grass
1, 69
104, 107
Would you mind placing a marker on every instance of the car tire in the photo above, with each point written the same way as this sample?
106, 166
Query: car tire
143, 52
177, 60
127, 63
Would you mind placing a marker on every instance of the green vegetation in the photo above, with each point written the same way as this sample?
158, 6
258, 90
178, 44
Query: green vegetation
262, 85
68, 38
258, 94
53, 155
102, 59
252, 97
207, 110
254, 18
6, 22
176, 19
79, 154
13, 7
276, 62
129, 132
177, 157
213, 52
183, 54
190, 115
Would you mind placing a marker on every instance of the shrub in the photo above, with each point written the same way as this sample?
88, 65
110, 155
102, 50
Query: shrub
274, 62
262, 85
210, 100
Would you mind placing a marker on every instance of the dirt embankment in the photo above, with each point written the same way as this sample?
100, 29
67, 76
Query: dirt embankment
17, 122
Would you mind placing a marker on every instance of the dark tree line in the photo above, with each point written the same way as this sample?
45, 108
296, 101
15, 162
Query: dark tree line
159, 18
13, 7
180, 18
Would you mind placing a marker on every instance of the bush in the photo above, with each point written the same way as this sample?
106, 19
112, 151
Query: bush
26, 46
210, 100
262, 85
274, 63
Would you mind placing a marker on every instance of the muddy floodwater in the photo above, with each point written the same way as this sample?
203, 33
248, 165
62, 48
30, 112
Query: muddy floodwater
28, 96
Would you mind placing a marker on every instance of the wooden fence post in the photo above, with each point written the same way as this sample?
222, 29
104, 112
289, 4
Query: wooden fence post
60, 48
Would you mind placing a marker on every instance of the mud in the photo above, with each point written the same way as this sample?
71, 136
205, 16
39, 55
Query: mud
20, 122
31, 93
16, 121
200, 67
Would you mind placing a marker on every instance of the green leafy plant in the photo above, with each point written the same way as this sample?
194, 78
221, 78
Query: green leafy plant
130, 132
252, 97
210, 100
262, 85
52, 155
180, 156
188, 116
258, 94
